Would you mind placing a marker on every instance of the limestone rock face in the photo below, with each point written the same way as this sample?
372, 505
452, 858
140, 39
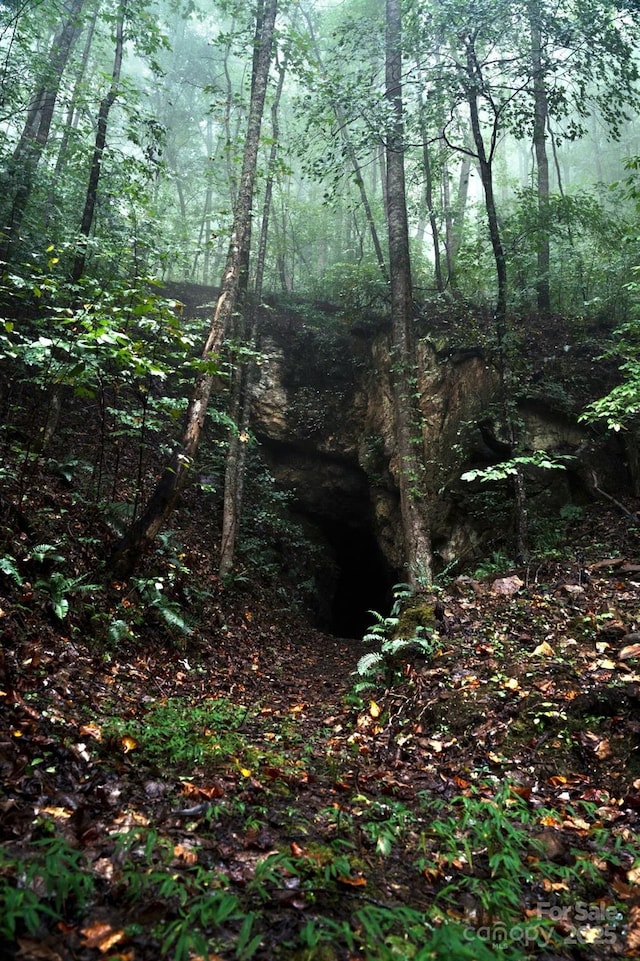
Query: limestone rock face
323, 412
270, 403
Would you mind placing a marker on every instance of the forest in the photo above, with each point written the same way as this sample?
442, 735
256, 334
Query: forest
319, 480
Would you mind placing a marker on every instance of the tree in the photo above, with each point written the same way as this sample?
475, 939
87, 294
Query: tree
35, 133
410, 468
101, 138
351, 155
179, 470
540, 120
243, 375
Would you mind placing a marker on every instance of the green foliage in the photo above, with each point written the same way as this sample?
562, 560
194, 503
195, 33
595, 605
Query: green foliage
9, 566
152, 593
497, 563
398, 635
52, 881
510, 468
360, 290
178, 735
621, 406
589, 258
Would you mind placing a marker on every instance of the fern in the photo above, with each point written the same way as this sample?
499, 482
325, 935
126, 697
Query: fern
173, 618
8, 566
423, 640
368, 661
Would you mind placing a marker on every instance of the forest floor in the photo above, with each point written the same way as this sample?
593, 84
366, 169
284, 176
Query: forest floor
234, 795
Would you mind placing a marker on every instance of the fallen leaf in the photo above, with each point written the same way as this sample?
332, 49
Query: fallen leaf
633, 875
605, 664
60, 814
543, 650
633, 929
102, 936
554, 885
631, 650
92, 730
185, 854
374, 709
577, 824
36, 951
128, 743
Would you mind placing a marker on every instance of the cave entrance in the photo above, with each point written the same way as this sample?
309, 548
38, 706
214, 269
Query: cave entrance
364, 580
331, 495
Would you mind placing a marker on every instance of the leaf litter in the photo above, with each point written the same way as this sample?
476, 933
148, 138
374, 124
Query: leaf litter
302, 805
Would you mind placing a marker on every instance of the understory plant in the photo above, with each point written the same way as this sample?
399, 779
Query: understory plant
408, 629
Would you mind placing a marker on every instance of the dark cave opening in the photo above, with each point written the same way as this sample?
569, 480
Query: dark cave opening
333, 500
364, 579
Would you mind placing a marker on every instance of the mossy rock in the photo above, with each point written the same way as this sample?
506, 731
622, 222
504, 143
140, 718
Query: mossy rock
419, 618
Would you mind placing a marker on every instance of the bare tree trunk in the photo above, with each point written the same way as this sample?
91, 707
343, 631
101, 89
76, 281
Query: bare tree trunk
485, 163
72, 112
541, 113
428, 197
101, 138
239, 440
179, 471
460, 209
410, 467
35, 134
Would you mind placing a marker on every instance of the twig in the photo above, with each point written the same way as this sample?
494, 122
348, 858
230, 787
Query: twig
609, 497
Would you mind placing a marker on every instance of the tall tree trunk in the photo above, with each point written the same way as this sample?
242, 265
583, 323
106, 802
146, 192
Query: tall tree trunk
428, 197
410, 466
460, 209
73, 109
541, 113
239, 440
106, 104
35, 134
179, 471
485, 163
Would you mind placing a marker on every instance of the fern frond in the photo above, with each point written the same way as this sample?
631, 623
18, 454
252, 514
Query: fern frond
368, 661
174, 619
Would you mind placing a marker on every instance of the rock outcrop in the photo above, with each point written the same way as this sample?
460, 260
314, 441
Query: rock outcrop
322, 412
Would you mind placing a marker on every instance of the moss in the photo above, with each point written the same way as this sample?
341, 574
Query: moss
420, 615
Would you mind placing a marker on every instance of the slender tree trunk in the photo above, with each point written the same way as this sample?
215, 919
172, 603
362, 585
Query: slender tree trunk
106, 104
239, 440
485, 163
179, 471
429, 199
460, 209
72, 112
35, 133
410, 466
541, 113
